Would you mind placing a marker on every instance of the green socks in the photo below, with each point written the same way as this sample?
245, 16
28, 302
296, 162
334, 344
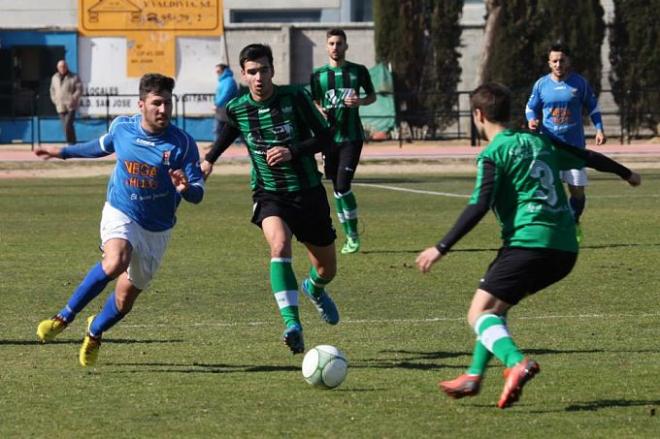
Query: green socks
480, 358
316, 283
347, 213
494, 336
285, 289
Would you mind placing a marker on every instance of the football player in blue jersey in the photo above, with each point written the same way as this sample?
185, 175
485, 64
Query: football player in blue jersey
560, 97
157, 165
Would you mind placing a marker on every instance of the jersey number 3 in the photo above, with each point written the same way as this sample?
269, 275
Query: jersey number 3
542, 172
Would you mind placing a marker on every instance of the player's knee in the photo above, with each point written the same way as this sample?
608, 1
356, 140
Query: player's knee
115, 265
327, 271
342, 187
280, 249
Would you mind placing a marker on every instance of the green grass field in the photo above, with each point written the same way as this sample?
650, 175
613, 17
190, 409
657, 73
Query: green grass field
201, 356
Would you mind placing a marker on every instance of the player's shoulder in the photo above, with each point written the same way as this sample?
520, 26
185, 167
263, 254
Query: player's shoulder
319, 70
543, 80
237, 101
354, 65
576, 80
124, 122
294, 90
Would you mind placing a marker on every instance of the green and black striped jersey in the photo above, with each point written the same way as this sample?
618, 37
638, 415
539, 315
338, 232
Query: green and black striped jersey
287, 118
330, 85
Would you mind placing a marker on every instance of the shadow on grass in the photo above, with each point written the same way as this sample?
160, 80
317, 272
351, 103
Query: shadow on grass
202, 368
477, 250
79, 340
592, 406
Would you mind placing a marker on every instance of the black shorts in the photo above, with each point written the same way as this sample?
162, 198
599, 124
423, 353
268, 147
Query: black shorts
342, 158
306, 212
518, 272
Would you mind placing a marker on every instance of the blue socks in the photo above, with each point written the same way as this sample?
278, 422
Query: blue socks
107, 318
89, 288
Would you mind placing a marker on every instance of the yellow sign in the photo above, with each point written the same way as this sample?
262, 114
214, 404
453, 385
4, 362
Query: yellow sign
150, 52
150, 27
194, 17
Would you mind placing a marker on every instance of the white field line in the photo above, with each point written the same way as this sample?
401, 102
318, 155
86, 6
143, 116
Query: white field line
409, 321
449, 194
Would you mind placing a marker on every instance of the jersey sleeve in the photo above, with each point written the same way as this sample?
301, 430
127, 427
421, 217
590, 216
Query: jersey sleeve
532, 109
365, 81
190, 166
590, 101
229, 133
101, 147
477, 207
312, 120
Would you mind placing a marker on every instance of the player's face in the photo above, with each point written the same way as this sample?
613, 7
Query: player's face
336, 47
258, 75
559, 64
156, 111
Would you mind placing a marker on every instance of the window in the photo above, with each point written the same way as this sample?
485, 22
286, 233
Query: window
276, 16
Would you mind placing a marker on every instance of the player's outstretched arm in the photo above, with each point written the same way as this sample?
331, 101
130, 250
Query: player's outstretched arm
601, 162
91, 149
473, 213
51, 152
227, 136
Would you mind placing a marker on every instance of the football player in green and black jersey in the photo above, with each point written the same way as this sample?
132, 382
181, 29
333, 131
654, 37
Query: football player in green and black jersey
517, 177
336, 91
283, 130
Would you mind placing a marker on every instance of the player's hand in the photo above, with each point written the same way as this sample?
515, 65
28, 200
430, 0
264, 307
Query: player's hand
635, 179
179, 180
207, 168
600, 138
52, 152
277, 155
352, 100
533, 124
427, 258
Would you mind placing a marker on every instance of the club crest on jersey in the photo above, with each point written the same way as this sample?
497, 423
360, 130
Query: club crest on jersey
166, 158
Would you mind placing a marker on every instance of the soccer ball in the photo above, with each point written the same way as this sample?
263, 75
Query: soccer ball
324, 366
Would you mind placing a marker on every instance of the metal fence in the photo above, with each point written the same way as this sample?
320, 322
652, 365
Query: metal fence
189, 109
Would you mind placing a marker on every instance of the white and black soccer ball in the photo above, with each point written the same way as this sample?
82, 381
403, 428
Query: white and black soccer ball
324, 366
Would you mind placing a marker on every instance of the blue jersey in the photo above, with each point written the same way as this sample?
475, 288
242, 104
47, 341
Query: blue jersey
561, 104
140, 185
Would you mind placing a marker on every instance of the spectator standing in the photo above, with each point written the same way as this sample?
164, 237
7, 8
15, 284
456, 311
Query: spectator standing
65, 93
225, 91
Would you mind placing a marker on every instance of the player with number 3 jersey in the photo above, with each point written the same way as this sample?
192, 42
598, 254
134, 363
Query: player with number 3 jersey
518, 178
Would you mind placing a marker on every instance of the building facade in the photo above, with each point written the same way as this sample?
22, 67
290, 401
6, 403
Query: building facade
35, 34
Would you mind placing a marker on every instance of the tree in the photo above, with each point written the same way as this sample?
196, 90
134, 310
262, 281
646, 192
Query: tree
519, 33
418, 39
635, 59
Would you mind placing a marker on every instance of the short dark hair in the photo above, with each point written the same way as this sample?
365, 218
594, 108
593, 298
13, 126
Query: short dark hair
253, 52
559, 46
222, 65
335, 32
493, 100
155, 83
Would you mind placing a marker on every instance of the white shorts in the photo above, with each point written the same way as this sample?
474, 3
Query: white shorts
575, 177
148, 247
